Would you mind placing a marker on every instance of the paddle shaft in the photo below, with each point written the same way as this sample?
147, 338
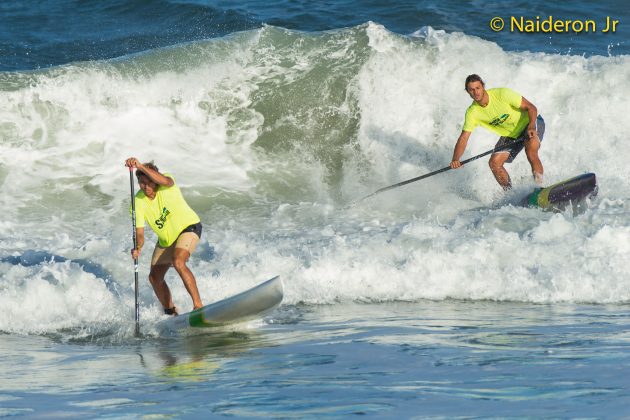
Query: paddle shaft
418, 178
135, 245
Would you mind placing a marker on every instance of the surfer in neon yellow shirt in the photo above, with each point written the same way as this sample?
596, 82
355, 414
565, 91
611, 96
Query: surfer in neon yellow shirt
160, 203
511, 116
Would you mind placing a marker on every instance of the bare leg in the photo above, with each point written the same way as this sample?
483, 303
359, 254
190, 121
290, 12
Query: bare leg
179, 262
163, 293
531, 150
500, 174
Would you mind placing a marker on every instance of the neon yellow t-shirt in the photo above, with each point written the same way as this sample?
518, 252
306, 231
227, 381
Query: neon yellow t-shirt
167, 214
502, 114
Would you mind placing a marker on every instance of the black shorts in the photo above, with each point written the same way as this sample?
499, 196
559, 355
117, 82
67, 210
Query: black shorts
196, 229
519, 145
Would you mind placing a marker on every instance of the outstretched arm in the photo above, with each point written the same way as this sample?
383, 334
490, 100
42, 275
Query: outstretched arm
154, 176
460, 147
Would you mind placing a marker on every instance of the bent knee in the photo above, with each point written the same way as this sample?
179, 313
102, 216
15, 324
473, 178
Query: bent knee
179, 263
532, 144
157, 272
497, 161
155, 279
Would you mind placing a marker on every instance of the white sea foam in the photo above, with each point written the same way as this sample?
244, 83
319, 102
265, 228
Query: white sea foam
269, 133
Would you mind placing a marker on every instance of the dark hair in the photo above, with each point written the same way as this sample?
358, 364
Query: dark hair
149, 165
473, 78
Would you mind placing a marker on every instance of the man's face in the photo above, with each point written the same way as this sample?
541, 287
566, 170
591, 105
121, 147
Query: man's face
146, 185
475, 90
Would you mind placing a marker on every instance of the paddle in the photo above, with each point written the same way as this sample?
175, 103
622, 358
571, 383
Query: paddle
135, 244
418, 178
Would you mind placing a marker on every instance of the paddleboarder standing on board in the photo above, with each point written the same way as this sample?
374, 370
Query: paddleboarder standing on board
160, 203
511, 116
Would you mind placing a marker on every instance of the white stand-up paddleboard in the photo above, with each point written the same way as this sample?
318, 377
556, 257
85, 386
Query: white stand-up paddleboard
250, 304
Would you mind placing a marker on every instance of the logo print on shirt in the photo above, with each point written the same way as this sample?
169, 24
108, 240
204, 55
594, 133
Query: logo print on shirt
160, 222
499, 120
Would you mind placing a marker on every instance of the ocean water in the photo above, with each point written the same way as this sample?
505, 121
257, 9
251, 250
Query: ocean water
442, 298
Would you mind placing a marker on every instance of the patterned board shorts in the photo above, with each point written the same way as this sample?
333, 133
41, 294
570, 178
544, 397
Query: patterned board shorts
516, 149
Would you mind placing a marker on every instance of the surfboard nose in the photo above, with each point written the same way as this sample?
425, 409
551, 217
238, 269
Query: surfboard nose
559, 196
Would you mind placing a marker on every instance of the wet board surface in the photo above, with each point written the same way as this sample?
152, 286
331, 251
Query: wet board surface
247, 305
